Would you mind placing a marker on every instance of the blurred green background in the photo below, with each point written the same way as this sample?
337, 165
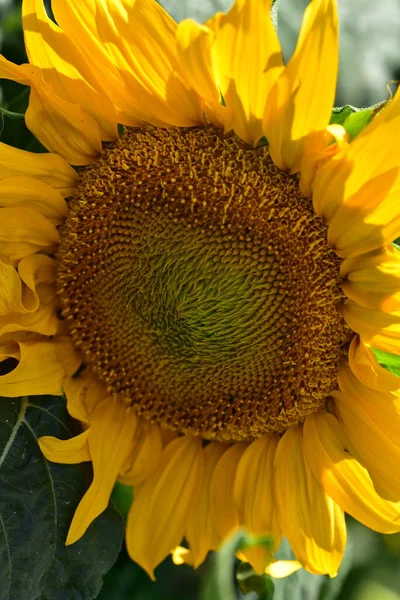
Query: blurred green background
370, 57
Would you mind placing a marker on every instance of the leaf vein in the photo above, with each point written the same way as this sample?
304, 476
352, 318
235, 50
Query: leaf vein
21, 416
8, 554
53, 491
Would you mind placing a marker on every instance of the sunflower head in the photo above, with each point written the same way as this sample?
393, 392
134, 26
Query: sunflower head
209, 294
197, 281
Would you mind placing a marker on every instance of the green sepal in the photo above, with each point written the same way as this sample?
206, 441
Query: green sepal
249, 581
219, 584
353, 119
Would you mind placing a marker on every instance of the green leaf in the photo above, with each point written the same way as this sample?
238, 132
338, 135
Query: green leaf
37, 501
220, 583
391, 362
353, 119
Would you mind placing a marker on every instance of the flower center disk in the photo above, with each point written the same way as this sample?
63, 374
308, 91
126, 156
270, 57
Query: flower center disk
198, 284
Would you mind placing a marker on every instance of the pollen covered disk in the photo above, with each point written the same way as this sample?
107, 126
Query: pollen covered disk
198, 284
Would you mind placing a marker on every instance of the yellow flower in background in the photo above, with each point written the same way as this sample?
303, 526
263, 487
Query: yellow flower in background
208, 303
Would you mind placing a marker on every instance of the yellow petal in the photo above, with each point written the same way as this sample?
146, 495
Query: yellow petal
302, 99
61, 126
144, 457
33, 306
378, 329
39, 371
200, 530
25, 290
71, 79
24, 231
370, 442
359, 187
84, 392
282, 568
33, 193
319, 148
157, 516
10, 289
194, 42
43, 321
158, 86
373, 279
342, 476
67, 352
222, 505
49, 168
181, 555
194, 46
38, 274
383, 408
89, 27
369, 219
253, 496
116, 38
110, 438
367, 369
67, 452
312, 522
246, 59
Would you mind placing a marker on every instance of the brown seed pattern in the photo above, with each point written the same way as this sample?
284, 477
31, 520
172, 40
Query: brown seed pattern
198, 284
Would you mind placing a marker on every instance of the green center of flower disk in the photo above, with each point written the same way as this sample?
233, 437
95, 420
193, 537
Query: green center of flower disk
198, 284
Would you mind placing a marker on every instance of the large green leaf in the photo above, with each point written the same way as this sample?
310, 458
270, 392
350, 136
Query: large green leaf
37, 502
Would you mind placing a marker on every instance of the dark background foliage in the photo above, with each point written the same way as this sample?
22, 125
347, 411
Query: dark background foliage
370, 57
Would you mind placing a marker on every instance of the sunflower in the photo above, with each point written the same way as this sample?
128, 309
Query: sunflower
208, 287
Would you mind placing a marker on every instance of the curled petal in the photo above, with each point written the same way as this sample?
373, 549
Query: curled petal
367, 369
110, 439
40, 369
67, 452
